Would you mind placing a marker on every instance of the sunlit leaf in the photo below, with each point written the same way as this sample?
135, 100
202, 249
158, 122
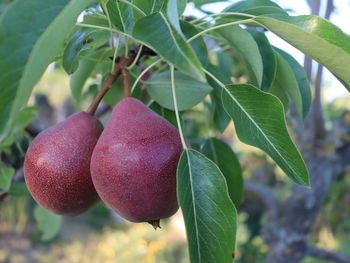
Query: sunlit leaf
22, 65
209, 214
241, 41
317, 38
259, 121
156, 32
268, 58
301, 77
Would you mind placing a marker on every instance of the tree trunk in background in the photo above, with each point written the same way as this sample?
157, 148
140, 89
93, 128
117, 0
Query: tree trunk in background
288, 235
288, 232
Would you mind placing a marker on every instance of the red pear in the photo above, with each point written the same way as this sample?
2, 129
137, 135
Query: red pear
134, 163
57, 165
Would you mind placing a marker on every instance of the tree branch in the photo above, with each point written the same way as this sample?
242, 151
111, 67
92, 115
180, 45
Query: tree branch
122, 63
112, 77
327, 255
266, 195
317, 112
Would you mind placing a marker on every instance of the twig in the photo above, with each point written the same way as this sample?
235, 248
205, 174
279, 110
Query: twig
122, 63
327, 255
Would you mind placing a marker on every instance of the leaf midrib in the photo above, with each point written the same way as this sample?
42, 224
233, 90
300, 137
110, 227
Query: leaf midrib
194, 205
173, 37
265, 136
300, 29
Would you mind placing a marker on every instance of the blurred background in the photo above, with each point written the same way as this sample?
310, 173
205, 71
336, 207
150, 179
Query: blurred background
30, 235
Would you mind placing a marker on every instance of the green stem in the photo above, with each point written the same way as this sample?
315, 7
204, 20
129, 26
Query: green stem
214, 78
133, 6
109, 21
143, 73
222, 14
136, 59
176, 109
217, 27
104, 28
126, 46
115, 54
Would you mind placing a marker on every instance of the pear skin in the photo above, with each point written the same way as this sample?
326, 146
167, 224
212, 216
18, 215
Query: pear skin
57, 165
134, 163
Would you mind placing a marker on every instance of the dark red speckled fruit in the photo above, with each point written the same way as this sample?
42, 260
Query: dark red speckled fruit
57, 165
134, 163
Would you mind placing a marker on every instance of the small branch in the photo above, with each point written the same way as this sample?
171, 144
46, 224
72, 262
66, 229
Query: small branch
122, 62
112, 77
266, 195
126, 82
328, 255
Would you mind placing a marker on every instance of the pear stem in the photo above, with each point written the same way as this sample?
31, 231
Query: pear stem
122, 63
126, 82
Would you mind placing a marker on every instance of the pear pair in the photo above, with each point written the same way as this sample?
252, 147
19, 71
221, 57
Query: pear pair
131, 164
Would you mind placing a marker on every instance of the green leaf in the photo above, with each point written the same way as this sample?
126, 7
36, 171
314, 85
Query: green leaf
225, 63
240, 40
222, 154
268, 58
165, 113
259, 121
157, 33
121, 15
221, 118
84, 71
71, 53
255, 7
48, 223
303, 82
286, 80
18, 189
317, 38
280, 93
96, 19
189, 91
22, 65
25, 117
13, 33
209, 214
6, 174
199, 3
197, 44
181, 6
148, 7
171, 11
